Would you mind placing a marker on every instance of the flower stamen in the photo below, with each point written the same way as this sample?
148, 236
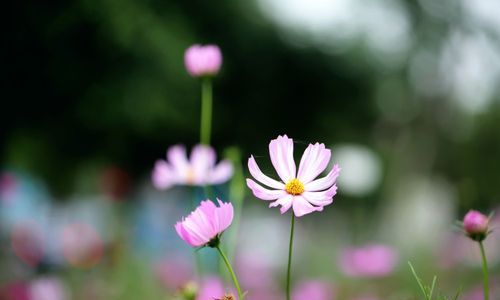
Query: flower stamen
294, 187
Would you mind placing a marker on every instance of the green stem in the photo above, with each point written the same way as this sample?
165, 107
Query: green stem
290, 250
485, 272
206, 110
233, 275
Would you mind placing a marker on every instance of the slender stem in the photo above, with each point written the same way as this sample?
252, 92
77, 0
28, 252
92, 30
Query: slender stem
485, 272
206, 110
233, 275
290, 250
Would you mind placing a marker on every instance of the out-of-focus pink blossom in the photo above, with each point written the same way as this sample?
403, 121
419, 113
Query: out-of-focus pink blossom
27, 242
200, 170
313, 289
47, 289
82, 245
476, 225
203, 60
205, 223
173, 273
7, 186
14, 291
211, 288
297, 189
369, 261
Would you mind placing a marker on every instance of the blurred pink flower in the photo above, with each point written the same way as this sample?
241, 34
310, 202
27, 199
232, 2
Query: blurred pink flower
368, 261
173, 272
211, 288
203, 60
205, 223
47, 289
476, 225
8, 183
200, 171
82, 245
27, 242
297, 189
313, 289
14, 291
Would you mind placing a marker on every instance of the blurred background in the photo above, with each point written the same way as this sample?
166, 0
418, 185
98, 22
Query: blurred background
405, 93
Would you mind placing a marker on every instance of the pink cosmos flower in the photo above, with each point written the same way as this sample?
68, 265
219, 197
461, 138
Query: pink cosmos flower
369, 261
297, 189
313, 289
200, 170
203, 60
204, 225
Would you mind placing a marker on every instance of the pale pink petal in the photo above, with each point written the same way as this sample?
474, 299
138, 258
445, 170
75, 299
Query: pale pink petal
192, 241
285, 202
208, 209
202, 160
302, 207
263, 193
257, 174
221, 173
178, 159
163, 175
225, 215
324, 182
314, 161
281, 152
321, 198
197, 234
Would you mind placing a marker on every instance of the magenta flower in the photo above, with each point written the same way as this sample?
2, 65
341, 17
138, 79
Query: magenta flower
368, 261
203, 60
200, 170
205, 224
297, 189
476, 225
313, 289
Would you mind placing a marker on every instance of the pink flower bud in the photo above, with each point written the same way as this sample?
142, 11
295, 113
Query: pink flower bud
203, 60
476, 225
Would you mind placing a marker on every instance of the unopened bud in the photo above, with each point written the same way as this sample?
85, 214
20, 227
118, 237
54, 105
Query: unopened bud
476, 225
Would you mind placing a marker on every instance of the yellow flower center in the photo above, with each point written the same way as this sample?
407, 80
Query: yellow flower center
190, 176
294, 187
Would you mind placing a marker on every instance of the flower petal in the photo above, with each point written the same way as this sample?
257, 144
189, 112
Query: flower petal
285, 202
325, 182
281, 152
178, 159
314, 161
302, 207
163, 176
263, 193
321, 198
225, 214
221, 173
202, 160
257, 174
186, 236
